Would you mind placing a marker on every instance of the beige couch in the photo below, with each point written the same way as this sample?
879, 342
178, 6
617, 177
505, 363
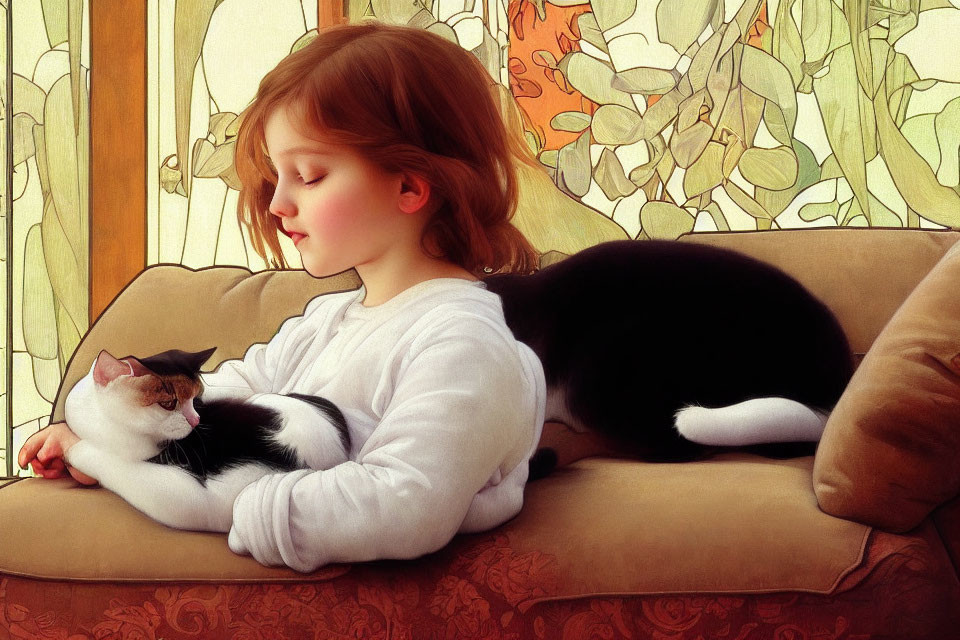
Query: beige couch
734, 546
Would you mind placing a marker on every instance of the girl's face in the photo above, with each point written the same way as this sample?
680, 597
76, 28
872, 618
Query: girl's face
339, 209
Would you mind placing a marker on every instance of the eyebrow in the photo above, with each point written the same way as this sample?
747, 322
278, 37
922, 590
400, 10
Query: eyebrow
303, 150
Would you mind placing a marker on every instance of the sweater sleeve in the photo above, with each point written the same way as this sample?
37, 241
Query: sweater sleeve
461, 416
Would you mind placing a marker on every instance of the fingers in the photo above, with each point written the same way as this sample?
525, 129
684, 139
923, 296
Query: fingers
44, 451
80, 476
30, 448
54, 469
50, 450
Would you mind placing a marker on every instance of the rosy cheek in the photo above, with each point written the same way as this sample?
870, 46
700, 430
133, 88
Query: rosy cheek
333, 216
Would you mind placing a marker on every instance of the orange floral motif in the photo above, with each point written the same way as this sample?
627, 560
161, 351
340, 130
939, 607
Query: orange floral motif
521, 87
519, 12
760, 25
789, 632
293, 606
349, 620
558, 32
467, 614
773, 607
721, 607
482, 588
257, 625
603, 620
305, 593
673, 613
542, 97
195, 610
128, 622
522, 577
519, 577
394, 602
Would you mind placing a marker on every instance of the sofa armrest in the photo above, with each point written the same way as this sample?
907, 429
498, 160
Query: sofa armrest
174, 307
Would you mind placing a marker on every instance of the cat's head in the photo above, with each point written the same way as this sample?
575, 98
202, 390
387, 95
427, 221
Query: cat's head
148, 397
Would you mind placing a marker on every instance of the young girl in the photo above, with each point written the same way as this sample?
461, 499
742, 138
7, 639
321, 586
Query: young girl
381, 148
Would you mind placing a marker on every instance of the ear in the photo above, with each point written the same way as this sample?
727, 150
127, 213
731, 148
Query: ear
414, 193
138, 368
200, 357
107, 369
192, 360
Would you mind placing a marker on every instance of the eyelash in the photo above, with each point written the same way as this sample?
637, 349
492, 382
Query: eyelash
314, 181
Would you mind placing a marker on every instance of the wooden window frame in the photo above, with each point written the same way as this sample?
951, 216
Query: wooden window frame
118, 134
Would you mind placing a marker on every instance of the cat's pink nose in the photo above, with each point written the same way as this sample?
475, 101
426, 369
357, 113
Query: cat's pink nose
193, 418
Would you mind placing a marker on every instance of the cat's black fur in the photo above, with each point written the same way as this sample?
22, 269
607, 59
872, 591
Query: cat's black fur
233, 432
175, 361
230, 432
632, 331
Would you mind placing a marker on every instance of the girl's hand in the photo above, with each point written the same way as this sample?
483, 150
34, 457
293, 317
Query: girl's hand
44, 451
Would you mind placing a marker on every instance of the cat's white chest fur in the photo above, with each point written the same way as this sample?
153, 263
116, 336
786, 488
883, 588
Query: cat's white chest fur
99, 417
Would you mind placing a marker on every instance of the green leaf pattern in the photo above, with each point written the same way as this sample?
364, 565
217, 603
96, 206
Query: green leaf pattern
731, 106
707, 111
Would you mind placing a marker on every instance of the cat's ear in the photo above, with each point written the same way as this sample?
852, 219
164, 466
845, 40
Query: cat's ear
107, 369
198, 358
137, 367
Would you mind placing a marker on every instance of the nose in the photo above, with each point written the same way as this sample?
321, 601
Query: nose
188, 411
281, 205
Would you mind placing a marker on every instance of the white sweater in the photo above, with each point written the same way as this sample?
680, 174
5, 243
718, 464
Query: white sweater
444, 409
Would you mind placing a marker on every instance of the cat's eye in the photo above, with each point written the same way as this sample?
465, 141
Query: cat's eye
168, 405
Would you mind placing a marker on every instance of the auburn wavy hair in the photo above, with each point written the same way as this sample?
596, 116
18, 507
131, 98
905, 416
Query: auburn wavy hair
407, 100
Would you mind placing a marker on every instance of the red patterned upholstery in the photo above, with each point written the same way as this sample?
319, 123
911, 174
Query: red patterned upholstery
479, 588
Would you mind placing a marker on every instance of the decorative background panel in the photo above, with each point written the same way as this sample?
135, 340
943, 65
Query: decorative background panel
50, 226
204, 64
751, 114
648, 119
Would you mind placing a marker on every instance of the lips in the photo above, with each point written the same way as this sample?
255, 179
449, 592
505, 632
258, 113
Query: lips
293, 235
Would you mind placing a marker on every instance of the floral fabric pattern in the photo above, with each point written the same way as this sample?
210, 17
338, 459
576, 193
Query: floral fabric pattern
479, 588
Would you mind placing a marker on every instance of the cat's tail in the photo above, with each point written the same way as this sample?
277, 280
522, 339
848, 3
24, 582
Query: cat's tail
756, 421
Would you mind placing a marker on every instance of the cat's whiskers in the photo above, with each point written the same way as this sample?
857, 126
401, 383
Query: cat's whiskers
203, 443
181, 452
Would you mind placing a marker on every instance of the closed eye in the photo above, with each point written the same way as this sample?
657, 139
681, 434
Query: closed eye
314, 181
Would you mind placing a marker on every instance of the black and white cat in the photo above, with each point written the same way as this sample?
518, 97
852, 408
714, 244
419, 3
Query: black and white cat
670, 349
147, 436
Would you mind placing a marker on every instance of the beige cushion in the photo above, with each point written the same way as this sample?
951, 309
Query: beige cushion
737, 523
861, 274
59, 529
890, 451
172, 307
733, 523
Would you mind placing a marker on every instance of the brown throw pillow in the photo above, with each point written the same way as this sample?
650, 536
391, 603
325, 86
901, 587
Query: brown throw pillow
890, 453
